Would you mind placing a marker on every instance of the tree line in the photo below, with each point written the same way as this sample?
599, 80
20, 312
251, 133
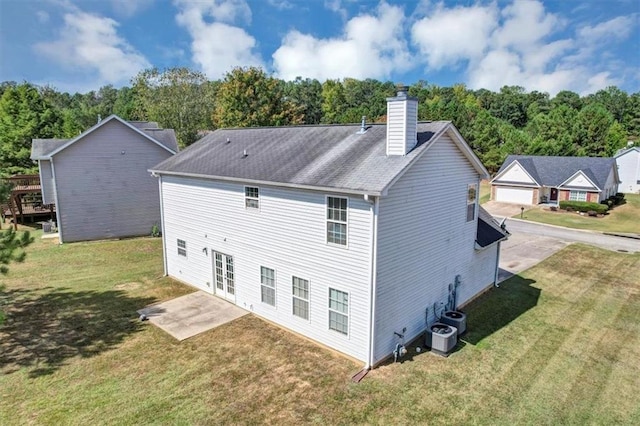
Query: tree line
495, 124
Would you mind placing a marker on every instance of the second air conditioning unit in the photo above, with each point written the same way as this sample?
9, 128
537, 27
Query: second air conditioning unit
456, 319
441, 338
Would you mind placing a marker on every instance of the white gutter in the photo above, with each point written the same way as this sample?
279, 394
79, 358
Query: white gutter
55, 190
495, 277
164, 244
257, 182
374, 272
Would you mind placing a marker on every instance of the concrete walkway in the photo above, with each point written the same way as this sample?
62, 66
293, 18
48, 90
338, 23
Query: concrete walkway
192, 314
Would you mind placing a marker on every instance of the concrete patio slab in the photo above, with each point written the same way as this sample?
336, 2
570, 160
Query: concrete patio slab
192, 314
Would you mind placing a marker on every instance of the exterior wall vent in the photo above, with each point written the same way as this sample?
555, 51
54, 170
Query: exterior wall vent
402, 123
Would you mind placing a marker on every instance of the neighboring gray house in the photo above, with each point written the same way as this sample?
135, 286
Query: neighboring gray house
99, 180
628, 161
345, 234
531, 179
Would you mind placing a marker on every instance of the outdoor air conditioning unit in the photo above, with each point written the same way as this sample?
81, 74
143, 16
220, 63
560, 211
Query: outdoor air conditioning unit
441, 338
456, 319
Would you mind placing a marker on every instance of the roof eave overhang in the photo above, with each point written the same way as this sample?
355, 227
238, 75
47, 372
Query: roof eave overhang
595, 188
370, 192
102, 123
479, 247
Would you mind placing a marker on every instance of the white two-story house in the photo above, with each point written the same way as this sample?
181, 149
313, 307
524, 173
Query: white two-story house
345, 234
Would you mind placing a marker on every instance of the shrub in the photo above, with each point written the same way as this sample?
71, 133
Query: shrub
584, 206
155, 231
618, 198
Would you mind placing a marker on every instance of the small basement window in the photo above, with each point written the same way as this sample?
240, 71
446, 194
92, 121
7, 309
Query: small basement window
182, 248
251, 197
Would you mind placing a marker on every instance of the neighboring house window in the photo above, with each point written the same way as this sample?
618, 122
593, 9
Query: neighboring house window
339, 311
337, 220
300, 298
251, 197
268, 285
578, 196
472, 194
182, 248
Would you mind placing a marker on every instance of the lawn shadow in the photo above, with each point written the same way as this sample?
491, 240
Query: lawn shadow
46, 327
498, 307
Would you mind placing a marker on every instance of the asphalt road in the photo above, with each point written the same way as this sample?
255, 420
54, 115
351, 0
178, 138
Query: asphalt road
568, 235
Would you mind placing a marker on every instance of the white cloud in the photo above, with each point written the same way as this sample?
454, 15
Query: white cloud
372, 46
218, 46
128, 8
614, 29
90, 42
448, 36
42, 16
281, 4
522, 44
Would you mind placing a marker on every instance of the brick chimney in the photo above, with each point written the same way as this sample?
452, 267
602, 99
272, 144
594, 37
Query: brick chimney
402, 122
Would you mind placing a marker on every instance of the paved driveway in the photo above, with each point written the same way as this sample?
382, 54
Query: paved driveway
522, 251
192, 314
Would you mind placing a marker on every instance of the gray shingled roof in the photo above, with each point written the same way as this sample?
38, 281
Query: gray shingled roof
489, 231
166, 137
142, 125
334, 157
42, 148
553, 171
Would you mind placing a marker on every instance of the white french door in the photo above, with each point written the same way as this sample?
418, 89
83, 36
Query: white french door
224, 276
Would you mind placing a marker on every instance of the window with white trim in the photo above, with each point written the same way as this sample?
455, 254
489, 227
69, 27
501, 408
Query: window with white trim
300, 289
339, 311
268, 286
577, 195
182, 248
251, 197
472, 195
337, 220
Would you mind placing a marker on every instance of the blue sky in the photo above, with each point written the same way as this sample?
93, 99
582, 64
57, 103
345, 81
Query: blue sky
545, 45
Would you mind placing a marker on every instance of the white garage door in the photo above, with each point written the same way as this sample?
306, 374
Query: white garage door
514, 195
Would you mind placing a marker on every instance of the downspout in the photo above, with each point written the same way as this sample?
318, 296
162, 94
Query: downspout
55, 190
164, 244
495, 277
374, 273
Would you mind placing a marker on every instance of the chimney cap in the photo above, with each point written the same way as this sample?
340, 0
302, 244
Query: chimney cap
402, 89
402, 94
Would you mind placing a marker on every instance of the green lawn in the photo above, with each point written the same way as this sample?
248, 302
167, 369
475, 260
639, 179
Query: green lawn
485, 191
624, 218
559, 344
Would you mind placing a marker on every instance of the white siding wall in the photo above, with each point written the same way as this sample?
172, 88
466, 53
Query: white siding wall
103, 193
401, 126
515, 173
629, 172
424, 242
287, 234
580, 181
46, 182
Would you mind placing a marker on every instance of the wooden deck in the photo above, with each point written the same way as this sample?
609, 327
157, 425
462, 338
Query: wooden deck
25, 200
